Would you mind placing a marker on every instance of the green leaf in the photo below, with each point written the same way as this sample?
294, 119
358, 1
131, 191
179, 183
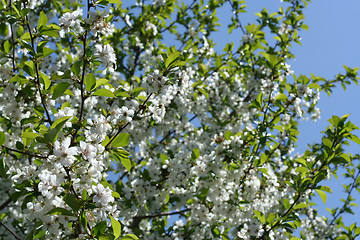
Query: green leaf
272, 59
172, 59
100, 82
29, 68
326, 189
116, 227
138, 89
260, 98
216, 232
122, 94
270, 218
163, 157
38, 162
60, 211
260, 216
83, 220
300, 205
314, 86
322, 194
30, 135
3, 168
54, 130
225, 236
282, 97
121, 140
100, 227
47, 51
327, 143
7, 46
42, 20
72, 202
24, 12
75, 68
286, 203
354, 138
130, 237
105, 237
90, 82
115, 1
50, 30
59, 89
59, 123
228, 134
46, 80
126, 162
195, 154
2, 138
115, 194
103, 92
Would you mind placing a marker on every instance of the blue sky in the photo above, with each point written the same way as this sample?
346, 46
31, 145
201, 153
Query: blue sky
333, 40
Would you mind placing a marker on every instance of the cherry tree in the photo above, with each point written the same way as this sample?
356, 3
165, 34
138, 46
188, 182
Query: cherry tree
121, 120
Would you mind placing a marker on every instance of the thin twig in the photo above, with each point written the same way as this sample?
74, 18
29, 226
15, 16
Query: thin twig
13, 41
7, 202
163, 214
141, 107
347, 201
11, 231
37, 78
237, 18
84, 39
137, 219
25, 153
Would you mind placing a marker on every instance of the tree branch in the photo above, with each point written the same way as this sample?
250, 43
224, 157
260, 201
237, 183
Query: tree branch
137, 219
7, 202
37, 78
141, 107
11, 231
25, 153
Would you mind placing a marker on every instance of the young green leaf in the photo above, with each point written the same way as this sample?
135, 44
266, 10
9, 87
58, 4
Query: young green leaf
300, 205
260, 216
103, 92
42, 20
322, 194
90, 82
172, 59
126, 162
130, 237
105, 237
59, 89
83, 220
72, 202
116, 226
46, 81
61, 211
121, 140
2, 138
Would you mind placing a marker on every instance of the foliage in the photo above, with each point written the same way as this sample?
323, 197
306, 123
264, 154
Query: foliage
122, 121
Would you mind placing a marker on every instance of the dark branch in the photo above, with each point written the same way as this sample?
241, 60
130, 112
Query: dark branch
11, 231
37, 78
25, 153
137, 219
